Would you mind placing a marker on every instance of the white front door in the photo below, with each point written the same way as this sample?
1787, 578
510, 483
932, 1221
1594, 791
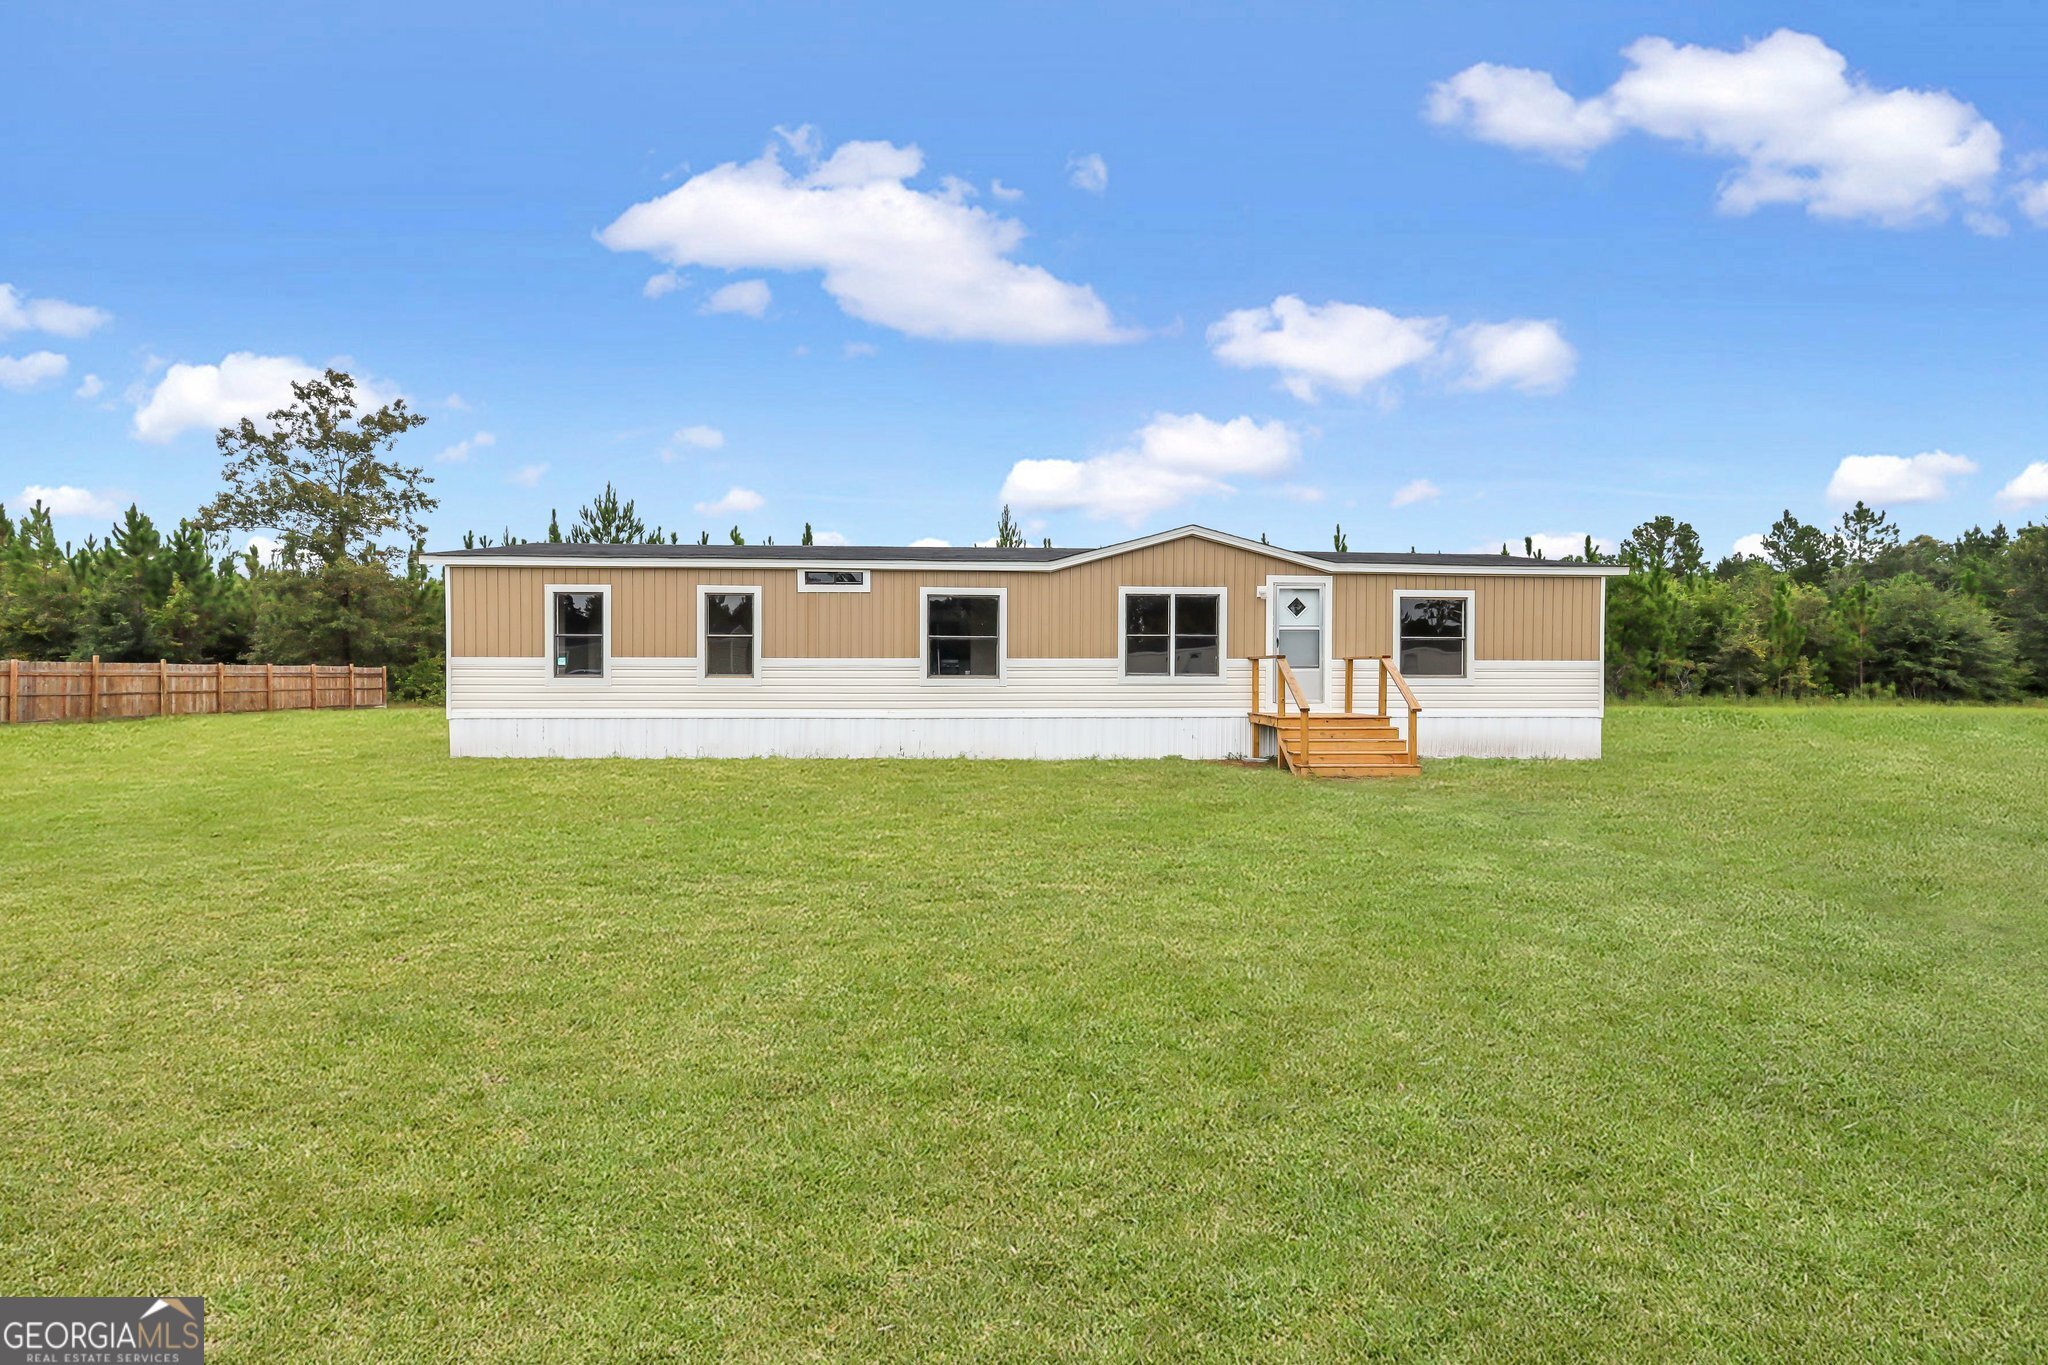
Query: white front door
1296, 615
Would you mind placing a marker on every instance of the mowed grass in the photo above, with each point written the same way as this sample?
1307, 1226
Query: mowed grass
1732, 1044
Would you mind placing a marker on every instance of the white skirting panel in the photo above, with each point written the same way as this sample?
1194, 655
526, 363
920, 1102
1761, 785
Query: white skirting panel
1446, 734
997, 736
1449, 735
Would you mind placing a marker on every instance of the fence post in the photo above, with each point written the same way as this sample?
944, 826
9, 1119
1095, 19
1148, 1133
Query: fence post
351, 685
163, 689
270, 687
220, 689
13, 691
384, 684
92, 701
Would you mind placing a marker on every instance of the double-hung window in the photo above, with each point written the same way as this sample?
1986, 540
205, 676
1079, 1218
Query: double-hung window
731, 629
1173, 634
576, 632
963, 634
1435, 635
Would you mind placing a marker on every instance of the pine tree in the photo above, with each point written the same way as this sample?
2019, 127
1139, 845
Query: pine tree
554, 528
1339, 542
607, 521
807, 533
737, 538
1008, 535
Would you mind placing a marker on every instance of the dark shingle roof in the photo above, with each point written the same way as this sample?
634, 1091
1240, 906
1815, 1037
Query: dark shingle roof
956, 554
805, 554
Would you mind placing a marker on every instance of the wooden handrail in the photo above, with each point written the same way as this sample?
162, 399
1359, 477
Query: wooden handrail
1387, 670
1287, 678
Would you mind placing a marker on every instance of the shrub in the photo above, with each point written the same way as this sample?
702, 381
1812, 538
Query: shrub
423, 681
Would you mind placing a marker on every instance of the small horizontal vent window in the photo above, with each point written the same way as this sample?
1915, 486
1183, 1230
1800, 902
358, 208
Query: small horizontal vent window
832, 580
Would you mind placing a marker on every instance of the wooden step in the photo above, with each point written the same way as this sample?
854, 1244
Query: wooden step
1318, 745
1380, 760
1377, 770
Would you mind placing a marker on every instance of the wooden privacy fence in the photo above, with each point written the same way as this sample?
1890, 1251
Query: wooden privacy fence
97, 691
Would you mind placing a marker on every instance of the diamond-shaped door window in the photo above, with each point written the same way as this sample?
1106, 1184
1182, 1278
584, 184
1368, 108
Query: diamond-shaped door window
1297, 606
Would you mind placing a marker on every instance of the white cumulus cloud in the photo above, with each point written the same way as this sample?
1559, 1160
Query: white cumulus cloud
1345, 346
55, 316
528, 475
63, 500
2028, 488
701, 437
1748, 547
1885, 480
1800, 127
1173, 458
1350, 347
1089, 172
90, 387
2033, 197
1528, 355
1516, 107
207, 397
661, 284
24, 372
736, 499
923, 262
748, 297
829, 538
930, 543
463, 449
1414, 491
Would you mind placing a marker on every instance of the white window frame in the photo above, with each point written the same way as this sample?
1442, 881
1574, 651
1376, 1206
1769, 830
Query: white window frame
547, 633
1123, 636
704, 674
867, 579
924, 634
1471, 632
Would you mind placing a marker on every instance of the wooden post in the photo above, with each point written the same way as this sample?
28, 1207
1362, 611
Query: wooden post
1414, 742
163, 688
92, 699
384, 684
351, 686
270, 687
1304, 740
220, 689
1383, 687
1350, 666
13, 691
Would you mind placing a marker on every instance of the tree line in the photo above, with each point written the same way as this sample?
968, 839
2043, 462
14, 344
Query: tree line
1849, 610
345, 584
1852, 609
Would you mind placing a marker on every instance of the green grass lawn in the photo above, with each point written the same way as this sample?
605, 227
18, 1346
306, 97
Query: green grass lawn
1734, 1044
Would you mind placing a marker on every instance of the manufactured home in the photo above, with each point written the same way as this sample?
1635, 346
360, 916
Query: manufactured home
1191, 642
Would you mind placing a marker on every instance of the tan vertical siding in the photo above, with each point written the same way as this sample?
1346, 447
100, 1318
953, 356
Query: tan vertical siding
1065, 614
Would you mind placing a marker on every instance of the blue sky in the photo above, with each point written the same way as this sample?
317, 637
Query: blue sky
1134, 267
